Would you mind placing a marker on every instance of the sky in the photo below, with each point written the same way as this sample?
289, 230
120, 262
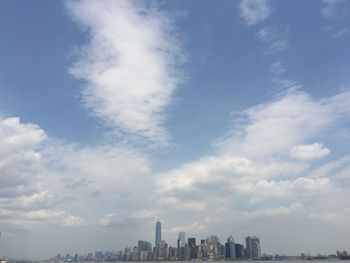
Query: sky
220, 117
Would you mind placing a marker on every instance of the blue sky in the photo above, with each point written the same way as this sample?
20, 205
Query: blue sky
221, 117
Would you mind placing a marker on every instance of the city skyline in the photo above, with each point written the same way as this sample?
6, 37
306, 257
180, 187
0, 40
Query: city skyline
210, 248
207, 249
227, 117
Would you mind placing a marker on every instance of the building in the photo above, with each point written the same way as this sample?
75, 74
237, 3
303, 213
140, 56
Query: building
172, 253
253, 247
158, 236
230, 248
202, 250
239, 251
214, 247
162, 250
181, 243
144, 255
193, 247
135, 254
144, 246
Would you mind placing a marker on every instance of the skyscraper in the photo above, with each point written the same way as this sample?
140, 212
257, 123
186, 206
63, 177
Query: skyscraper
230, 247
253, 247
182, 239
193, 247
144, 246
181, 242
158, 236
239, 250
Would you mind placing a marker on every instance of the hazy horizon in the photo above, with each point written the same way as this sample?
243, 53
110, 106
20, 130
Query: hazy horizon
220, 117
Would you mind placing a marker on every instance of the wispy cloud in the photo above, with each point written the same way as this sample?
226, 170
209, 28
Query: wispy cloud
332, 9
277, 68
129, 65
341, 33
273, 211
275, 38
193, 228
52, 217
262, 190
335, 217
255, 11
128, 219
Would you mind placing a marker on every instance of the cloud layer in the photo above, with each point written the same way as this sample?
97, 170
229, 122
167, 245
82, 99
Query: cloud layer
265, 175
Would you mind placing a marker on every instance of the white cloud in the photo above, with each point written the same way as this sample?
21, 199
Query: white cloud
260, 191
340, 33
309, 151
24, 198
331, 167
277, 68
219, 182
274, 211
180, 205
275, 38
254, 11
42, 181
334, 217
332, 8
128, 219
16, 137
101, 163
48, 216
192, 228
253, 166
222, 169
20, 159
261, 131
129, 65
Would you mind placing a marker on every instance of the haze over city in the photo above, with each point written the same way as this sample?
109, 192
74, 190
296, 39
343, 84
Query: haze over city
219, 117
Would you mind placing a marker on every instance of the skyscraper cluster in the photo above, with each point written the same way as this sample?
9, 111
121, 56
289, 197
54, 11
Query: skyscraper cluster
210, 248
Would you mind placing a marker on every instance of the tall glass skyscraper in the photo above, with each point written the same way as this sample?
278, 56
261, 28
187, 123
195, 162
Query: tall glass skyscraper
158, 236
181, 243
231, 247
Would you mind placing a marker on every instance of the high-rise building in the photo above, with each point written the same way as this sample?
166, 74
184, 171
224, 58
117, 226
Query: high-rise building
227, 250
239, 250
141, 246
253, 247
193, 248
144, 246
221, 251
231, 253
181, 242
135, 254
162, 250
182, 239
192, 242
158, 236
172, 253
